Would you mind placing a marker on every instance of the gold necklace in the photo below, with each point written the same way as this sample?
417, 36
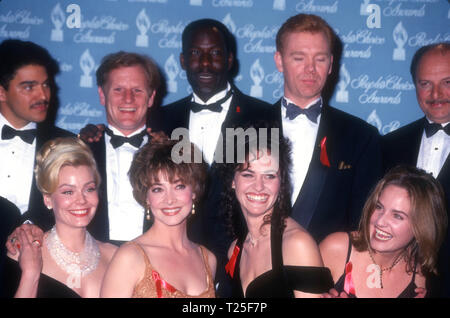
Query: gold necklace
395, 262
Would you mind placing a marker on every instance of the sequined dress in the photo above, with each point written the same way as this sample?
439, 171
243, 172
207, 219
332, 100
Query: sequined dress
154, 286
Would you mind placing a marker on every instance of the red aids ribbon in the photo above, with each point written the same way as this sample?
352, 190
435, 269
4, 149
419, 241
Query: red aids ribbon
160, 283
229, 268
323, 153
349, 288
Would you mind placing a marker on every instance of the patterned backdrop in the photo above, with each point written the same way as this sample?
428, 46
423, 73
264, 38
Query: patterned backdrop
378, 37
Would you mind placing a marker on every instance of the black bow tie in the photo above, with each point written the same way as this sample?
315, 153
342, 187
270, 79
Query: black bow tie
214, 107
292, 110
431, 129
117, 141
26, 135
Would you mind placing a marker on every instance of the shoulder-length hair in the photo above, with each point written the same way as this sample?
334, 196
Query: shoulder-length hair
260, 142
428, 216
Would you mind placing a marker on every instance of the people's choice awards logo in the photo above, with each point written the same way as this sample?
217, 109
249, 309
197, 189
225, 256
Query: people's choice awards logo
58, 18
257, 75
229, 23
143, 24
344, 80
172, 70
279, 5
87, 65
400, 37
375, 121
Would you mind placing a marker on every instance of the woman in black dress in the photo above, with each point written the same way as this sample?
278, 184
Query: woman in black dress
395, 249
67, 261
272, 256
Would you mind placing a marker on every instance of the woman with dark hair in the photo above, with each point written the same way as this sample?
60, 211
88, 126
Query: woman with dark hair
395, 248
272, 256
163, 262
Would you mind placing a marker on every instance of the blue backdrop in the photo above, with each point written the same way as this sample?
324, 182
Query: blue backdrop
379, 38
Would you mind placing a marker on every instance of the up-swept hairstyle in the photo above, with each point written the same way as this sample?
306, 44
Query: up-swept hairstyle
442, 47
58, 153
125, 59
428, 216
15, 54
305, 23
154, 159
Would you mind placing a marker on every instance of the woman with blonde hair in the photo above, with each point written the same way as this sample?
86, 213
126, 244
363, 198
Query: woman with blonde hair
68, 262
395, 249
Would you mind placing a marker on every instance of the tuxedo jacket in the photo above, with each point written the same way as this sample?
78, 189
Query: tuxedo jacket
402, 147
208, 227
37, 211
332, 197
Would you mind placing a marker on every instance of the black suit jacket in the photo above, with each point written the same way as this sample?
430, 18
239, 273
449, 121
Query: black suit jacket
402, 147
37, 211
331, 198
208, 226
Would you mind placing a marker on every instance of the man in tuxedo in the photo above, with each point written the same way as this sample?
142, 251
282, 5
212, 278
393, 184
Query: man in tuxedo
27, 94
336, 157
425, 143
127, 85
208, 57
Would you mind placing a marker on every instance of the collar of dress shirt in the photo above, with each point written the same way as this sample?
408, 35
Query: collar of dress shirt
118, 133
443, 124
213, 98
4, 121
283, 109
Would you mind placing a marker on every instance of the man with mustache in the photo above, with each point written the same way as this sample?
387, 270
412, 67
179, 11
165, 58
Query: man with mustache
425, 143
336, 156
27, 94
208, 57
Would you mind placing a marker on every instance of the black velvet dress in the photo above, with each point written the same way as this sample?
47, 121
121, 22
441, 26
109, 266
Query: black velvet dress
281, 280
48, 287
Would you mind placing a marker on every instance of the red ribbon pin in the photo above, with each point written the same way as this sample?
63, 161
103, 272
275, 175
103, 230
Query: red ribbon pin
323, 152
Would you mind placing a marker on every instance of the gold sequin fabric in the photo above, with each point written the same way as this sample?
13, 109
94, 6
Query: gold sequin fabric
148, 286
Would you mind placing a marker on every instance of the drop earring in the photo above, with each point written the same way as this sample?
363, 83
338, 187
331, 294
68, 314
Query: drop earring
148, 216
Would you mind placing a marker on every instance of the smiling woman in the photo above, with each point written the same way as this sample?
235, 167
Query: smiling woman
69, 262
395, 249
166, 264
272, 254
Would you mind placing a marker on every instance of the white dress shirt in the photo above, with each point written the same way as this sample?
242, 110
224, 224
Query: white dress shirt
126, 216
434, 151
205, 126
16, 167
302, 134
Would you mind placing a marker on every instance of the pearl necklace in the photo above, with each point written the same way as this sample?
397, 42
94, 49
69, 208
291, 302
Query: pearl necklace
395, 262
73, 263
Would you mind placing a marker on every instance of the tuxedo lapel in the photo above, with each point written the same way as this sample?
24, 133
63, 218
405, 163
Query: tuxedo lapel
308, 198
99, 226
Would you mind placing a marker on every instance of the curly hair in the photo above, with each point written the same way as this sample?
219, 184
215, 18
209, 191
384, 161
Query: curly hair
156, 157
428, 216
257, 143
